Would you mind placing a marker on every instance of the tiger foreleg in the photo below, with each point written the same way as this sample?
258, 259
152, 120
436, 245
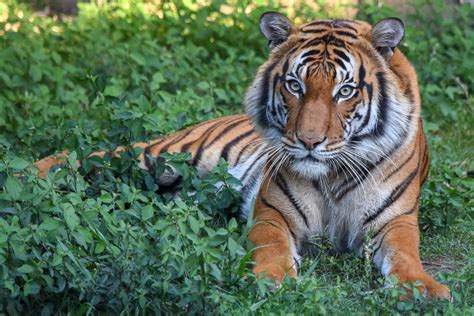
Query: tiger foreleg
274, 245
396, 253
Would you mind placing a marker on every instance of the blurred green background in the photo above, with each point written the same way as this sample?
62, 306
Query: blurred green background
108, 73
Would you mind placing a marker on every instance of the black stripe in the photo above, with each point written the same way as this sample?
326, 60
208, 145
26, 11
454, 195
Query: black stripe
263, 98
376, 249
351, 183
281, 183
288, 143
247, 189
227, 129
226, 150
170, 188
370, 91
175, 140
347, 77
185, 147
383, 105
250, 143
246, 173
345, 24
410, 211
274, 106
404, 224
361, 74
286, 65
341, 54
369, 107
340, 63
311, 52
425, 172
344, 33
297, 263
313, 42
203, 146
425, 164
304, 62
401, 165
325, 23
265, 202
294, 49
316, 185
425, 152
333, 24
314, 31
394, 196
210, 128
349, 27
158, 142
409, 94
330, 39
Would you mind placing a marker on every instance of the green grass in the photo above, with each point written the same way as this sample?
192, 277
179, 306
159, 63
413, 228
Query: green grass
108, 243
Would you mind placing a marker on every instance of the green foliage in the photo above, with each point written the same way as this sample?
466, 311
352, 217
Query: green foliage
107, 239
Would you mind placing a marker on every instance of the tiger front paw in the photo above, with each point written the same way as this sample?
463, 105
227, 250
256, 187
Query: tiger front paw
429, 287
437, 290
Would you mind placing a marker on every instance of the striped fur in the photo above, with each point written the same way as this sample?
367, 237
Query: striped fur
332, 145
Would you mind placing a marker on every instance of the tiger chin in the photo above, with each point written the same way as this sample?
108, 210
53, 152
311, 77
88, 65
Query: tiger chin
331, 144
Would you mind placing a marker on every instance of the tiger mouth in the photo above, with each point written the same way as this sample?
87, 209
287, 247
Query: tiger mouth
310, 158
320, 156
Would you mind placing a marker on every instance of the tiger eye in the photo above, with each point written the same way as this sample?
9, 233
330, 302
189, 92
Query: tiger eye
294, 86
346, 91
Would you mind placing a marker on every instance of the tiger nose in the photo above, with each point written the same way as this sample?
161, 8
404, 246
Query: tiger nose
310, 142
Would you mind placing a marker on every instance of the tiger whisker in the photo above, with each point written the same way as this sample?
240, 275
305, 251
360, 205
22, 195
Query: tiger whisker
357, 164
357, 159
353, 172
377, 150
270, 163
282, 163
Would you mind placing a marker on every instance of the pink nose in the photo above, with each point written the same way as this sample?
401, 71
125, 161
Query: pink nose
310, 142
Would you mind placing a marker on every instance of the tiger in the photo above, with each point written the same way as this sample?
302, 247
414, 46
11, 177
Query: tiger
331, 144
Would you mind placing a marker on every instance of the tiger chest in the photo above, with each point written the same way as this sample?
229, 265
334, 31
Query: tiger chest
314, 209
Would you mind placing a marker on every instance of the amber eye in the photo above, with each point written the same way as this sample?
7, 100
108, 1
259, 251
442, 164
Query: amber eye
346, 91
294, 86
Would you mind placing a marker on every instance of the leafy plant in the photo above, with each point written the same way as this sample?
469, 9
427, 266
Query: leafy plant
106, 238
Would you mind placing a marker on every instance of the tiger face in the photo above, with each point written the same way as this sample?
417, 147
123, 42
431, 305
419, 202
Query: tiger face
327, 96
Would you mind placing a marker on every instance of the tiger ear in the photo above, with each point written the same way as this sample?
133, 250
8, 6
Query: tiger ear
275, 27
386, 35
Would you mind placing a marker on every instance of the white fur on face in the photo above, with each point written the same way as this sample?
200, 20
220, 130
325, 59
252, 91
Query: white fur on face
310, 169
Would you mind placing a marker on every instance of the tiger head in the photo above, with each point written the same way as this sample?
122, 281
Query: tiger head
333, 91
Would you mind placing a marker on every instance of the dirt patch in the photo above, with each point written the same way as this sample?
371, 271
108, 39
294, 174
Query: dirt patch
437, 264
